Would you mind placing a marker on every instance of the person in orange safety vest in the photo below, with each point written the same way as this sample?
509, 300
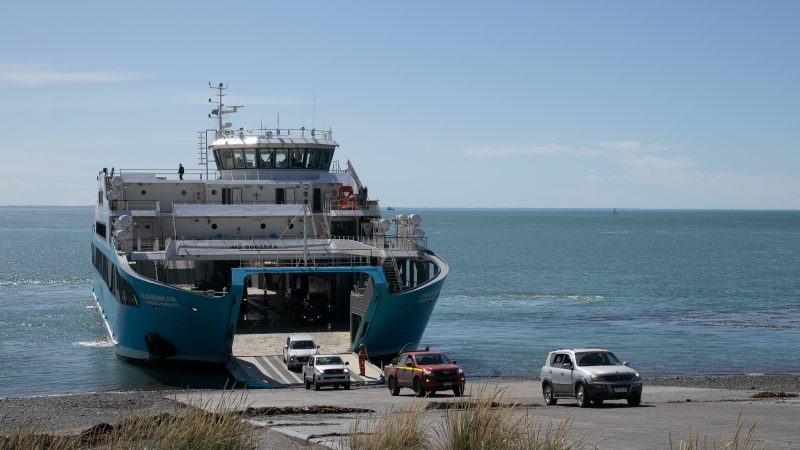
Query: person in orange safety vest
362, 358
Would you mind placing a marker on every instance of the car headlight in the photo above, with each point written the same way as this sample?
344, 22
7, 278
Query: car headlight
636, 376
460, 371
426, 372
291, 358
320, 371
346, 370
596, 377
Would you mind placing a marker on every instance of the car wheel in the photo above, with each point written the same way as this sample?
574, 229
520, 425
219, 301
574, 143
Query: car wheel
547, 392
307, 383
316, 385
581, 396
458, 391
347, 387
394, 389
634, 400
418, 390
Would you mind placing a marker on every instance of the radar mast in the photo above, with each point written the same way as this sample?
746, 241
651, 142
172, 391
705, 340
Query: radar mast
220, 112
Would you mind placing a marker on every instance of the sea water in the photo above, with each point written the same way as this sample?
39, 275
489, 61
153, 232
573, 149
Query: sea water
671, 292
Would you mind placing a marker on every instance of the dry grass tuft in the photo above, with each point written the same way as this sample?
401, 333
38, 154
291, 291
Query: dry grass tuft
737, 441
397, 429
485, 421
185, 428
489, 421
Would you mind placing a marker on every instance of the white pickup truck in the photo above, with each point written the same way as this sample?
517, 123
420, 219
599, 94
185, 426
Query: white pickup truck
321, 370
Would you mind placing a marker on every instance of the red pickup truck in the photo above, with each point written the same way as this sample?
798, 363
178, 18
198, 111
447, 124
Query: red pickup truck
424, 372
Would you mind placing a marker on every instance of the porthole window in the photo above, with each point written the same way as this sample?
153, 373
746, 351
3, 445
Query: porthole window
213, 226
183, 192
144, 192
214, 192
263, 226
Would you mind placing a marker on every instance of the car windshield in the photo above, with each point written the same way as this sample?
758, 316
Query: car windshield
436, 358
597, 359
329, 361
303, 345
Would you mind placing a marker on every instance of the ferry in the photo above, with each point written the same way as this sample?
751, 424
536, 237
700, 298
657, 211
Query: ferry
179, 255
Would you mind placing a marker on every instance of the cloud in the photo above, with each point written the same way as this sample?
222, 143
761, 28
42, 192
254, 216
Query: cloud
45, 74
632, 146
660, 163
598, 149
548, 149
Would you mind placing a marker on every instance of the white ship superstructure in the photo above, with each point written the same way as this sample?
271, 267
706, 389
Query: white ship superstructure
272, 216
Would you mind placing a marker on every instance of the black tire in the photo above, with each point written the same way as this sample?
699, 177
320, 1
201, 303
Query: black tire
634, 400
547, 392
582, 397
418, 390
394, 389
347, 387
316, 385
458, 391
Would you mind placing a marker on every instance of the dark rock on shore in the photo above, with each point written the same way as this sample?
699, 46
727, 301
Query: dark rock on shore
770, 383
75, 413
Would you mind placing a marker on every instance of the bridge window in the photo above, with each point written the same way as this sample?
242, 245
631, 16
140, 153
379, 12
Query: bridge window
266, 158
238, 160
296, 156
314, 158
281, 160
250, 158
226, 158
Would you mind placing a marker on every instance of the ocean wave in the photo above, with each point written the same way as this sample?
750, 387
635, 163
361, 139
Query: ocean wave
522, 296
49, 282
102, 343
585, 298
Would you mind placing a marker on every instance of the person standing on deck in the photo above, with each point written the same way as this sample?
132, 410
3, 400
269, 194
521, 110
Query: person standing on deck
180, 171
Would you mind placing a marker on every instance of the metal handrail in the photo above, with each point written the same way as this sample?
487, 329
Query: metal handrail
276, 132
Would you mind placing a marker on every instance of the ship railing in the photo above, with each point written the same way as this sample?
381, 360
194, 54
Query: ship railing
268, 133
390, 242
350, 205
141, 245
377, 242
335, 261
171, 174
135, 205
241, 202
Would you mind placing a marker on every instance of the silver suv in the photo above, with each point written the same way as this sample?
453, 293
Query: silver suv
297, 350
589, 375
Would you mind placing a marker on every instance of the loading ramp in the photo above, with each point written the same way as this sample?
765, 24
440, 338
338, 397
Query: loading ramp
258, 359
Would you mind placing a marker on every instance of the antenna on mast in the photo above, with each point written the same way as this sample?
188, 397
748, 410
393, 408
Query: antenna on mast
220, 112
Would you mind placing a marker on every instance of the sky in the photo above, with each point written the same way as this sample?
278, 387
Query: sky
532, 104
